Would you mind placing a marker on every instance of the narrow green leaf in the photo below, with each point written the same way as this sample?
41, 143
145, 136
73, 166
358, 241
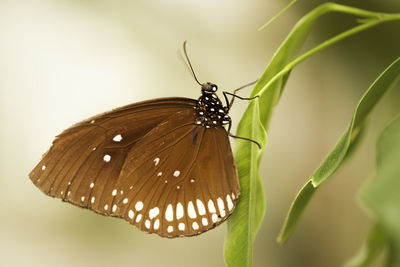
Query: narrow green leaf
336, 157
381, 195
374, 244
277, 15
302, 198
249, 212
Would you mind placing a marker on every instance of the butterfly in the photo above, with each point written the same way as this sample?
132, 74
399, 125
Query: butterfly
164, 165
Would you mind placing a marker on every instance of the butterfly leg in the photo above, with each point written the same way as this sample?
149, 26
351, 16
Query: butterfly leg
229, 104
240, 88
238, 137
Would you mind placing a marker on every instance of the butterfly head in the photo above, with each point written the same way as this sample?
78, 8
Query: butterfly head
209, 88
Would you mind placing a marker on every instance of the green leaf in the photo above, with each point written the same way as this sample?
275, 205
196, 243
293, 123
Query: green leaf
381, 195
271, 83
374, 244
248, 215
277, 15
336, 157
246, 220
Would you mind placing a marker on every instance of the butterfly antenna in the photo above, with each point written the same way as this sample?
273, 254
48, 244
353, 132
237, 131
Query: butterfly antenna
190, 64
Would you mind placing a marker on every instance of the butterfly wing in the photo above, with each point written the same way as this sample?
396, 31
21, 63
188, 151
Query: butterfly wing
181, 179
84, 162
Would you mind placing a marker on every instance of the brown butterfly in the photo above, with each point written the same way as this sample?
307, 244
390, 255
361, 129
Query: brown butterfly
164, 165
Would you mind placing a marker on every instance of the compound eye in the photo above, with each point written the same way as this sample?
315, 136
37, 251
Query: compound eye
214, 88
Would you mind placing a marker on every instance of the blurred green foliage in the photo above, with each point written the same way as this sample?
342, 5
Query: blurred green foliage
381, 195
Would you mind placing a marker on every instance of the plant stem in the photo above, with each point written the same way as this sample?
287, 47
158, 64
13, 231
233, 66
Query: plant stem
371, 23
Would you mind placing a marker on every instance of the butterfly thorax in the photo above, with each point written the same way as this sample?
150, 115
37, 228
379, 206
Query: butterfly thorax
210, 111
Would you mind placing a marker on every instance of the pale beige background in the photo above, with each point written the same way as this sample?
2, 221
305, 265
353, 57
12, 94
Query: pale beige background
63, 61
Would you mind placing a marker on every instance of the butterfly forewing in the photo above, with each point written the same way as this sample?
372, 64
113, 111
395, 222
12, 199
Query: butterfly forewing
85, 161
152, 163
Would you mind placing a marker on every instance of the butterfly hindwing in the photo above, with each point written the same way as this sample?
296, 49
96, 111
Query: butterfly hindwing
180, 179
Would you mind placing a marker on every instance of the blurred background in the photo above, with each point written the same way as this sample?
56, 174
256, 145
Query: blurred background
63, 61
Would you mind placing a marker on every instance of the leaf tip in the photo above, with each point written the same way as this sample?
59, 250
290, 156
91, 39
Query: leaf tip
281, 239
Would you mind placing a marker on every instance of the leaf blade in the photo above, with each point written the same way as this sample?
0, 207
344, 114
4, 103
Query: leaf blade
336, 157
246, 220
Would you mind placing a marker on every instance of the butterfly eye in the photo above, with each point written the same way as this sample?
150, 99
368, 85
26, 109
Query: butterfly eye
209, 87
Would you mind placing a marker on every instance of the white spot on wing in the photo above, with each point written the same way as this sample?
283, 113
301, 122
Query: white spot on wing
138, 218
154, 212
200, 207
221, 207
91, 185
43, 167
211, 206
191, 211
177, 173
181, 227
156, 224
170, 229
82, 198
125, 200
169, 213
131, 214
114, 192
92, 200
147, 224
179, 210
204, 221
106, 207
139, 205
159, 174
117, 138
229, 201
156, 161
214, 218
195, 225
114, 208
107, 158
